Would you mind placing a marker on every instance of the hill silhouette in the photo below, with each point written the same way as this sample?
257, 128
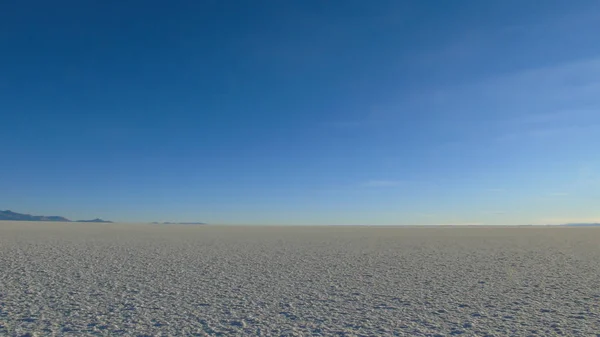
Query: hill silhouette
9, 215
13, 216
95, 220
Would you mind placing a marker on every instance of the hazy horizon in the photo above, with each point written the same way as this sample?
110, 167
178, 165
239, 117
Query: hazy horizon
302, 112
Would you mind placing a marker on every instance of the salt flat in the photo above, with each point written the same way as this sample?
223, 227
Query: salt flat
76, 279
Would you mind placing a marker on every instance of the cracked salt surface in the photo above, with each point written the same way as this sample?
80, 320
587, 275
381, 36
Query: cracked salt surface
144, 280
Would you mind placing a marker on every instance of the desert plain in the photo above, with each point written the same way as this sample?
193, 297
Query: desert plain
76, 279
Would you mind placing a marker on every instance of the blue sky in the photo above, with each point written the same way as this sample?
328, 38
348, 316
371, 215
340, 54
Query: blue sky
302, 112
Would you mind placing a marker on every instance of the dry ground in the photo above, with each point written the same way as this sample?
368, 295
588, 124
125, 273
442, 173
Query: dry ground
76, 279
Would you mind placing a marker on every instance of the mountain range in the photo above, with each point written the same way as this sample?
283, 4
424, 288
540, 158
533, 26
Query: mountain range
95, 220
178, 223
13, 216
582, 224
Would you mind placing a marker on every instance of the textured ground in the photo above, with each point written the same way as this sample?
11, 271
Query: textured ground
148, 280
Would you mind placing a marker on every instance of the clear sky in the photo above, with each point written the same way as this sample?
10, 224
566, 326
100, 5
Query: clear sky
302, 112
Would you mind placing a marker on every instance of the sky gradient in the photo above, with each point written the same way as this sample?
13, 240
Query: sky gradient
302, 112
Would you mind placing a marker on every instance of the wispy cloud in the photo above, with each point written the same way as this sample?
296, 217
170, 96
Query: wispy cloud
562, 90
457, 224
492, 212
575, 17
533, 104
346, 125
539, 103
582, 180
564, 115
578, 17
587, 176
383, 183
547, 133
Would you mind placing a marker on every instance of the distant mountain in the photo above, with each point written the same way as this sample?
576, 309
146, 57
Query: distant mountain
13, 216
178, 223
582, 224
95, 220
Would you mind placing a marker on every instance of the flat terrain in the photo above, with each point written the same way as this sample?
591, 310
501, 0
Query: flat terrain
77, 279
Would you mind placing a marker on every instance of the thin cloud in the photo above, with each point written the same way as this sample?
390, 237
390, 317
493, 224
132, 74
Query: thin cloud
488, 212
458, 224
345, 125
383, 183
541, 134
495, 190
558, 116
537, 103
587, 176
